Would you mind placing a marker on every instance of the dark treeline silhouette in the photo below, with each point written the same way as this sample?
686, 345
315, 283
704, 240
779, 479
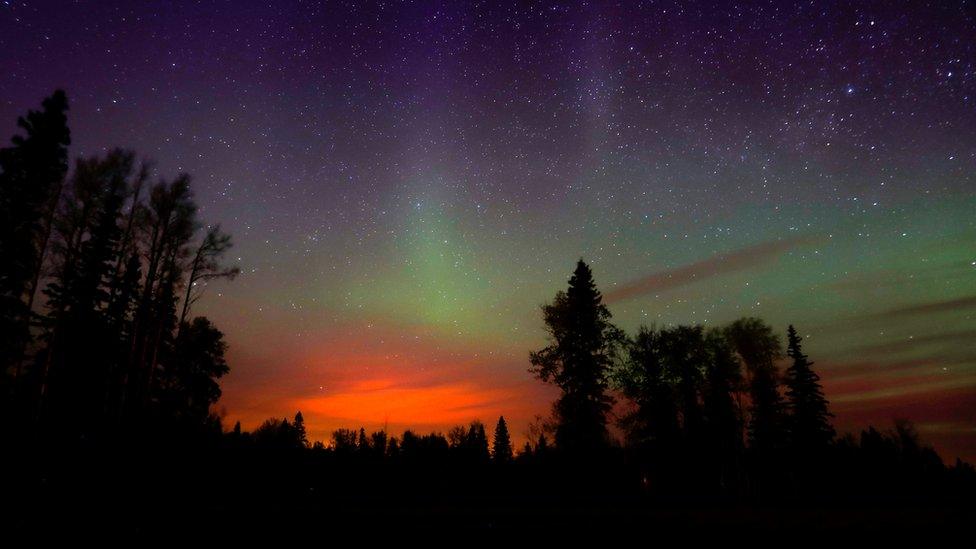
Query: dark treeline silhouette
101, 266
109, 385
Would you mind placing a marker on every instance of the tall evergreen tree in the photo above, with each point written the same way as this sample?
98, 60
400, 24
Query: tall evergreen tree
362, 444
501, 447
583, 346
301, 437
809, 418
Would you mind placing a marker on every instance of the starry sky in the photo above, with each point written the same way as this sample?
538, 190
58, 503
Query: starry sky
407, 182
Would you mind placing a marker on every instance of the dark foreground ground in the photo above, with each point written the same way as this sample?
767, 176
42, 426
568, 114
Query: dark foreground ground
190, 496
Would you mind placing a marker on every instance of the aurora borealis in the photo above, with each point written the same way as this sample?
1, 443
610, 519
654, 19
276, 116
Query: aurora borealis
407, 183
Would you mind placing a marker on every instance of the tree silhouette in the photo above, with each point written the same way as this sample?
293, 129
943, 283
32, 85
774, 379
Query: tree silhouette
301, 437
111, 347
758, 348
344, 441
188, 383
501, 448
684, 356
205, 266
541, 446
809, 418
379, 443
82, 343
583, 347
469, 444
280, 434
722, 420
643, 380
31, 174
362, 442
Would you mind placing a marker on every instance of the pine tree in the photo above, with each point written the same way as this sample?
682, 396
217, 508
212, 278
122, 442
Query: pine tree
362, 445
583, 346
809, 418
501, 447
301, 437
541, 446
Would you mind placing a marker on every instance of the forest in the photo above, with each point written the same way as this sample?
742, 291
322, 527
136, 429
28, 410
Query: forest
110, 382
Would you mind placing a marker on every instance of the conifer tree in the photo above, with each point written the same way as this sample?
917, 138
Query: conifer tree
501, 447
583, 346
809, 418
362, 444
301, 437
541, 446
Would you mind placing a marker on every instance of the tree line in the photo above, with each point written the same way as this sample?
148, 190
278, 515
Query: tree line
101, 267
704, 412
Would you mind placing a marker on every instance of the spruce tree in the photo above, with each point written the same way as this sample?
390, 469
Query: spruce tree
541, 447
809, 418
301, 438
362, 444
583, 345
501, 447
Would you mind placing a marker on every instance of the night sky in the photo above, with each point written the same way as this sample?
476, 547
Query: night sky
407, 183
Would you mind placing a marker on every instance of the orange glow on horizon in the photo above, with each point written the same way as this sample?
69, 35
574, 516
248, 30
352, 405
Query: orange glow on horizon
379, 401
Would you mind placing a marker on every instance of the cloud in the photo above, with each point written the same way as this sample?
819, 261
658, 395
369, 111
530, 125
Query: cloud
730, 262
958, 340
902, 387
934, 307
839, 371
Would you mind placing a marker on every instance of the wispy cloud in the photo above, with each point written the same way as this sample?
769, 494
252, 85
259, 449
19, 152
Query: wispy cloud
948, 340
730, 262
950, 305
